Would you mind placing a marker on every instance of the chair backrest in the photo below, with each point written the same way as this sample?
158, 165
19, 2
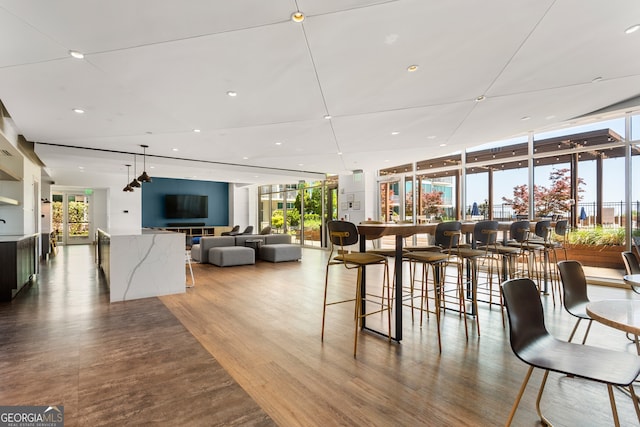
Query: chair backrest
248, 230
486, 232
235, 228
266, 230
542, 229
448, 234
342, 233
561, 227
574, 284
519, 230
524, 311
631, 263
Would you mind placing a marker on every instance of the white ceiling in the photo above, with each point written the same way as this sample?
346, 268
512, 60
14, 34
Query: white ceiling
154, 70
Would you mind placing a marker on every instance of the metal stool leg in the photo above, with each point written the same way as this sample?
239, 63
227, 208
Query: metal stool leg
188, 259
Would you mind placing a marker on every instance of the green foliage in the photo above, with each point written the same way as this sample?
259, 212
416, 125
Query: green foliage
597, 236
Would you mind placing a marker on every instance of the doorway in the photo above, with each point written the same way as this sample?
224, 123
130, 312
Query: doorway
71, 216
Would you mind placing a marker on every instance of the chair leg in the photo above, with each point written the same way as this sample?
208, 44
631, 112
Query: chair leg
634, 398
587, 331
614, 409
324, 305
436, 292
575, 328
542, 417
514, 408
358, 308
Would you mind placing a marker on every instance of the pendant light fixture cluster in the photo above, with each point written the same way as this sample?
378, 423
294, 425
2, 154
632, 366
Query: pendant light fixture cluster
128, 188
144, 177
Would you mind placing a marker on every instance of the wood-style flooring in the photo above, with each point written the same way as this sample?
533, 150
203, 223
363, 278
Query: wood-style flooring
254, 355
262, 323
131, 363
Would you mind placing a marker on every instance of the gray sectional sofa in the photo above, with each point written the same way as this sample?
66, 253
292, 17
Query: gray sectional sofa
224, 251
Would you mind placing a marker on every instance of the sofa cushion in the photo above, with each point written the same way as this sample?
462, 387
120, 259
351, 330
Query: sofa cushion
277, 238
206, 243
231, 255
279, 252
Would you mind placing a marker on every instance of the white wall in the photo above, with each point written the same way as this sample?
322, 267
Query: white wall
240, 205
25, 217
114, 211
353, 205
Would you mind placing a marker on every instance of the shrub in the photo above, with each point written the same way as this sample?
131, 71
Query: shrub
597, 236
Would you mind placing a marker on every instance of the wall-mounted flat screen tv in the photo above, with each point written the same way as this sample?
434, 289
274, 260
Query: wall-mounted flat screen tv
185, 206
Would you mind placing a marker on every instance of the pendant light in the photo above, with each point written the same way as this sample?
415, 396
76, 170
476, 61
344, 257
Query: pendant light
144, 177
128, 188
134, 183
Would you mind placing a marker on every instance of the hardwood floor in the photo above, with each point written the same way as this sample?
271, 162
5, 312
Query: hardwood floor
134, 363
262, 323
130, 363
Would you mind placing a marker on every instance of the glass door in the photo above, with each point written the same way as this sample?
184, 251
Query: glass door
71, 218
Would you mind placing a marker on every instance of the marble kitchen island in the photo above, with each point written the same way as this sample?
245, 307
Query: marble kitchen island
143, 265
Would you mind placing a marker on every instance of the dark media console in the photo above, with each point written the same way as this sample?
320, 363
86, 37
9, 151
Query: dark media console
185, 224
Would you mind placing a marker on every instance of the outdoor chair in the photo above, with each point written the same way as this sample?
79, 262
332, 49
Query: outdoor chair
234, 231
532, 343
631, 266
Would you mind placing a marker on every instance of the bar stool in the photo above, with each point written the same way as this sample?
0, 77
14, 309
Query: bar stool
187, 258
343, 234
486, 233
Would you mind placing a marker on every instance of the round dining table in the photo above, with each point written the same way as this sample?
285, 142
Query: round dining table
621, 314
632, 280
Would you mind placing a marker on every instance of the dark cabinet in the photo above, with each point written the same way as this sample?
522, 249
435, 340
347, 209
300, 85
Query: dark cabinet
18, 264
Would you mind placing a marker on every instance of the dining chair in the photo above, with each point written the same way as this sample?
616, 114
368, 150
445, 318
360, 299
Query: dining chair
631, 263
575, 298
342, 235
535, 346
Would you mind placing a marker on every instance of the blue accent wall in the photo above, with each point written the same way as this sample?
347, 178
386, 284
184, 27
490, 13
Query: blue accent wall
153, 201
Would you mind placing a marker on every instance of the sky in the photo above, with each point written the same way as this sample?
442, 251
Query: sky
613, 173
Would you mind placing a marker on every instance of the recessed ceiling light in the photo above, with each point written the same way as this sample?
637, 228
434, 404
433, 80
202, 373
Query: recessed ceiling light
174, 149
550, 117
278, 143
245, 158
395, 132
632, 29
443, 145
78, 110
297, 16
232, 93
339, 153
431, 137
412, 68
196, 130
328, 116
480, 98
80, 167
386, 161
596, 80
152, 167
76, 54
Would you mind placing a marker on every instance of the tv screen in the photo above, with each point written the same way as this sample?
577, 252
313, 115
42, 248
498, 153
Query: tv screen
185, 206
